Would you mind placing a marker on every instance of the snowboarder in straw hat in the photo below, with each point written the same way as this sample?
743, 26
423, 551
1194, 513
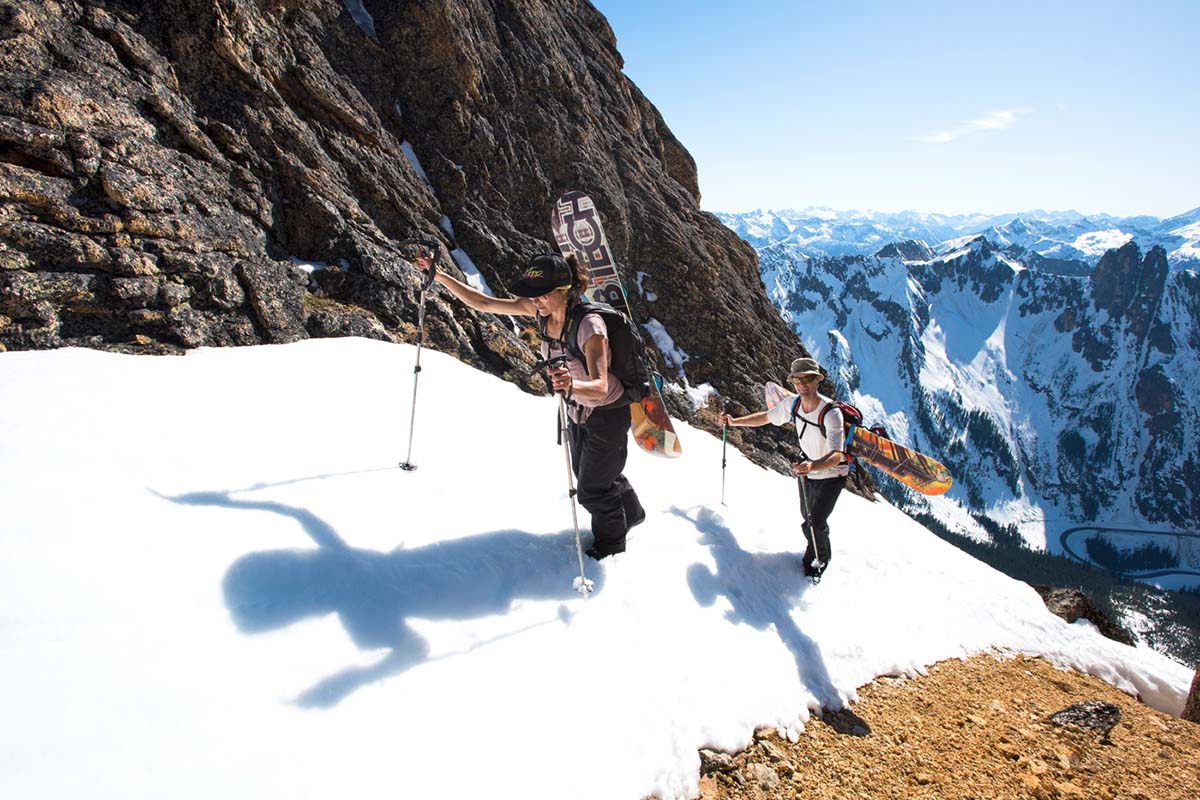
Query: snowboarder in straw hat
598, 412
822, 475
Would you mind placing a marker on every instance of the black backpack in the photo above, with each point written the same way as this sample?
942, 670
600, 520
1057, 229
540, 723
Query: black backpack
625, 342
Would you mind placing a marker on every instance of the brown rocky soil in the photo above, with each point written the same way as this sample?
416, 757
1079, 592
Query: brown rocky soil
974, 729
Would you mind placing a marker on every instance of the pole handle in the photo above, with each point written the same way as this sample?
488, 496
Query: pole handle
417, 246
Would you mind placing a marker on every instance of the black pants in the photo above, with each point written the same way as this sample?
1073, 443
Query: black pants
599, 448
822, 495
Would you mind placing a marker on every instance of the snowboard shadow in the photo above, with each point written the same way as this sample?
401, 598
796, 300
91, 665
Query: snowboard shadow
374, 593
763, 588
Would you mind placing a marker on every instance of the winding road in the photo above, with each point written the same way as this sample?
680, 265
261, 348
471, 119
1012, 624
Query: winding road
1062, 539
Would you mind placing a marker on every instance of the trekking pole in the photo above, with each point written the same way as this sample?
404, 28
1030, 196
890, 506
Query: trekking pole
724, 441
812, 533
581, 584
417, 248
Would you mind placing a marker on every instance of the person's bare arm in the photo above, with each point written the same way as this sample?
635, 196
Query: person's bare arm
595, 388
473, 298
755, 420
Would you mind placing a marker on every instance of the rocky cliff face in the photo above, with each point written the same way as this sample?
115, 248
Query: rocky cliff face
188, 173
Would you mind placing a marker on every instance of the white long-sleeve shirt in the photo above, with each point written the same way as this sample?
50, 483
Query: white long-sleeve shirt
815, 443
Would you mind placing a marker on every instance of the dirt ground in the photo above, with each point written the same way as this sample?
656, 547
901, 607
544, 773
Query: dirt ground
974, 730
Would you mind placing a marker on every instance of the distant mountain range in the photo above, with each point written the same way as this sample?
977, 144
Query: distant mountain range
1050, 374
1066, 242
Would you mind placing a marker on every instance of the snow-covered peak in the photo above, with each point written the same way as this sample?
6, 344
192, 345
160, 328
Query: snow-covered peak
1182, 220
908, 250
1097, 243
956, 248
1071, 241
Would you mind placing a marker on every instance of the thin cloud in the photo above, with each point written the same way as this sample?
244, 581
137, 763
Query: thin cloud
992, 121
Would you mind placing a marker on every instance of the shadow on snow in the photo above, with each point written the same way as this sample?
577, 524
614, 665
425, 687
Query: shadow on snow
374, 593
763, 589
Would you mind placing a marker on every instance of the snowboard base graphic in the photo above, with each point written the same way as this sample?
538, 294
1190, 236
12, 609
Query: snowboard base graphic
915, 470
577, 230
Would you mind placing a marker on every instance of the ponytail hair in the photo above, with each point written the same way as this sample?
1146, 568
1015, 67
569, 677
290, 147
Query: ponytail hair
580, 280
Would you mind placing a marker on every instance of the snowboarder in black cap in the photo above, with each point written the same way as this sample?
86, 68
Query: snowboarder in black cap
598, 427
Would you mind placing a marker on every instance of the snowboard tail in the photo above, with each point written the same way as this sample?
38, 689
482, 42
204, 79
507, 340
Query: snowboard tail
915, 470
578, 231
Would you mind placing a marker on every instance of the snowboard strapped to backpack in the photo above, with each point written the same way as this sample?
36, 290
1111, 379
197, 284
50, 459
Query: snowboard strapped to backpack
625, 343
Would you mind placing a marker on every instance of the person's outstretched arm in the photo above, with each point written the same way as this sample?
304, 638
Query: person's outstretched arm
755, 420
473, 298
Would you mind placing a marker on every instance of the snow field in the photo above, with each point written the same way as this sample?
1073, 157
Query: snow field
216, 582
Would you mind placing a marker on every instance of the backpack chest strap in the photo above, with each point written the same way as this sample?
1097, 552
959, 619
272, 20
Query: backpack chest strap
820, 417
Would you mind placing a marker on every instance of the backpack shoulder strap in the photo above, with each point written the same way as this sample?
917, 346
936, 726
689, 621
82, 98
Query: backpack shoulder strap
796, 413
574, 318
821, 415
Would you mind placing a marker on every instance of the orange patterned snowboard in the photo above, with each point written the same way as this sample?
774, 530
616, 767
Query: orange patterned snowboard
915, 470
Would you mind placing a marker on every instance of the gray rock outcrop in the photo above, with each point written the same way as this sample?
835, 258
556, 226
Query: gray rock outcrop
187, 173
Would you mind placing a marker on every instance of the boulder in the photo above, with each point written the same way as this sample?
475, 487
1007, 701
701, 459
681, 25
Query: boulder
1072, 605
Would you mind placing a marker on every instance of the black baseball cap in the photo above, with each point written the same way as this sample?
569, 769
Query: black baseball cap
544, 273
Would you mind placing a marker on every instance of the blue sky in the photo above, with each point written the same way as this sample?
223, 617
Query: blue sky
945, 107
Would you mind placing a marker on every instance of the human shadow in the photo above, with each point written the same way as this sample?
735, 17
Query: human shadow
846, 722
375, 593
763, 588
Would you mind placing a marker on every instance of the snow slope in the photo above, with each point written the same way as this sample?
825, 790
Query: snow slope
216, 582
